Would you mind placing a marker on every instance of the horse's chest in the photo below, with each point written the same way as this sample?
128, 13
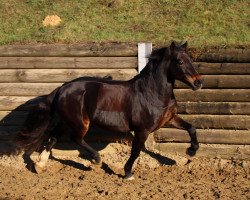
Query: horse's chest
167, 115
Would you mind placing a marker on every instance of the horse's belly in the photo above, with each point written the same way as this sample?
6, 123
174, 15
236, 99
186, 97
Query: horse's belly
112, 120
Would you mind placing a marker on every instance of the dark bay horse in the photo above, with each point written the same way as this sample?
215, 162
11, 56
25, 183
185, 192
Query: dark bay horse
143, 104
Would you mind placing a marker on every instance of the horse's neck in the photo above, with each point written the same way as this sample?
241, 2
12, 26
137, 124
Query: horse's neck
153, 86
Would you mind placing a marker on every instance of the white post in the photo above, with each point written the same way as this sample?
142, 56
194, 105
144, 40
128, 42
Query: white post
144, 51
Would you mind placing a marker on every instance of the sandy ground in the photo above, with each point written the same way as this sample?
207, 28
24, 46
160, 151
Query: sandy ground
156, 177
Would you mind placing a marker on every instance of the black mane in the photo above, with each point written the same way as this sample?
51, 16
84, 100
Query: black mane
155, 60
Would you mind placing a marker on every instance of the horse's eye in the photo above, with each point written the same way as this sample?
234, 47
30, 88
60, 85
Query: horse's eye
180, 62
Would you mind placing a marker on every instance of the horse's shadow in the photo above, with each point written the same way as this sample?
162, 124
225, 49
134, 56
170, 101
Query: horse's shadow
81, 166
13, 121
161, 159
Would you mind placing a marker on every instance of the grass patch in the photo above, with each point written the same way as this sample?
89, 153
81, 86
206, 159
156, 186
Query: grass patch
223, 23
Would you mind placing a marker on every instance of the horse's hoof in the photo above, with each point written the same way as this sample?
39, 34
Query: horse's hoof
191, 151
97, 162
39, 168
129, 177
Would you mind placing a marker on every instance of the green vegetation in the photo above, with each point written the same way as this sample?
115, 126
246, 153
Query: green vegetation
223, 23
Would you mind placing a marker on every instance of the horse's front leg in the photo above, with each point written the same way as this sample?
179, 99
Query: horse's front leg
179, 123
137, 145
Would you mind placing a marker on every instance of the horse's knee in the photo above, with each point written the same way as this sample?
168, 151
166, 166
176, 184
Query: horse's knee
191, 130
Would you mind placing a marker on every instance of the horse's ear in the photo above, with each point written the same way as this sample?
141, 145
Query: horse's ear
184, 46
172, 46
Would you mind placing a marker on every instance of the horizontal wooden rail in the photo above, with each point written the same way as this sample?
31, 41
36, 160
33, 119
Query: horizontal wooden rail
60, 75
223, 55
115, 49
27, 89
67, 50
110, 63
218, 108
68, 62
213, 95
208, 136
239, 152
219, 121
8, 103
222, 81
222, 68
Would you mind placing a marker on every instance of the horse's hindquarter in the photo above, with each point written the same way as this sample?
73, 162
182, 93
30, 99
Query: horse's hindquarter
99, 101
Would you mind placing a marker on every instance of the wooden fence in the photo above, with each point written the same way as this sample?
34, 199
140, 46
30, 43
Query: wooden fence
220, 111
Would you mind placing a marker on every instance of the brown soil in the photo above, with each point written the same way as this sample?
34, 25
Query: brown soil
76, 178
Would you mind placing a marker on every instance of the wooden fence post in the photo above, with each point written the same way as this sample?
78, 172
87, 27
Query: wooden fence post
144, 51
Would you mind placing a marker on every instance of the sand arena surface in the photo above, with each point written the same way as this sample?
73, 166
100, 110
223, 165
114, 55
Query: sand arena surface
156, 177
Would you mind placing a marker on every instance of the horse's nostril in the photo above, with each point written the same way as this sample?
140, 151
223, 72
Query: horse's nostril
197, 82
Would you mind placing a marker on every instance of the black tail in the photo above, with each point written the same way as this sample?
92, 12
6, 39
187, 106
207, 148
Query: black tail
31, 137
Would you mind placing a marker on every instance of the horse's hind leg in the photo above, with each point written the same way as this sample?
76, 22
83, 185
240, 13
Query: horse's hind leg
55, 133
96, 156
80, 129
44, 156
179, 123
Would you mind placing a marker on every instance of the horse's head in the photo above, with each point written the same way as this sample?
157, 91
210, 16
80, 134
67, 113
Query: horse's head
181, 66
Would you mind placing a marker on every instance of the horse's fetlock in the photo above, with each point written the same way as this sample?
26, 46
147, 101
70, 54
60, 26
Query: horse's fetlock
195, 146
127, 168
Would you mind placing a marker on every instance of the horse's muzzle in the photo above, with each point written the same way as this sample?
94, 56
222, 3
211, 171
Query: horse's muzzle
198, 83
